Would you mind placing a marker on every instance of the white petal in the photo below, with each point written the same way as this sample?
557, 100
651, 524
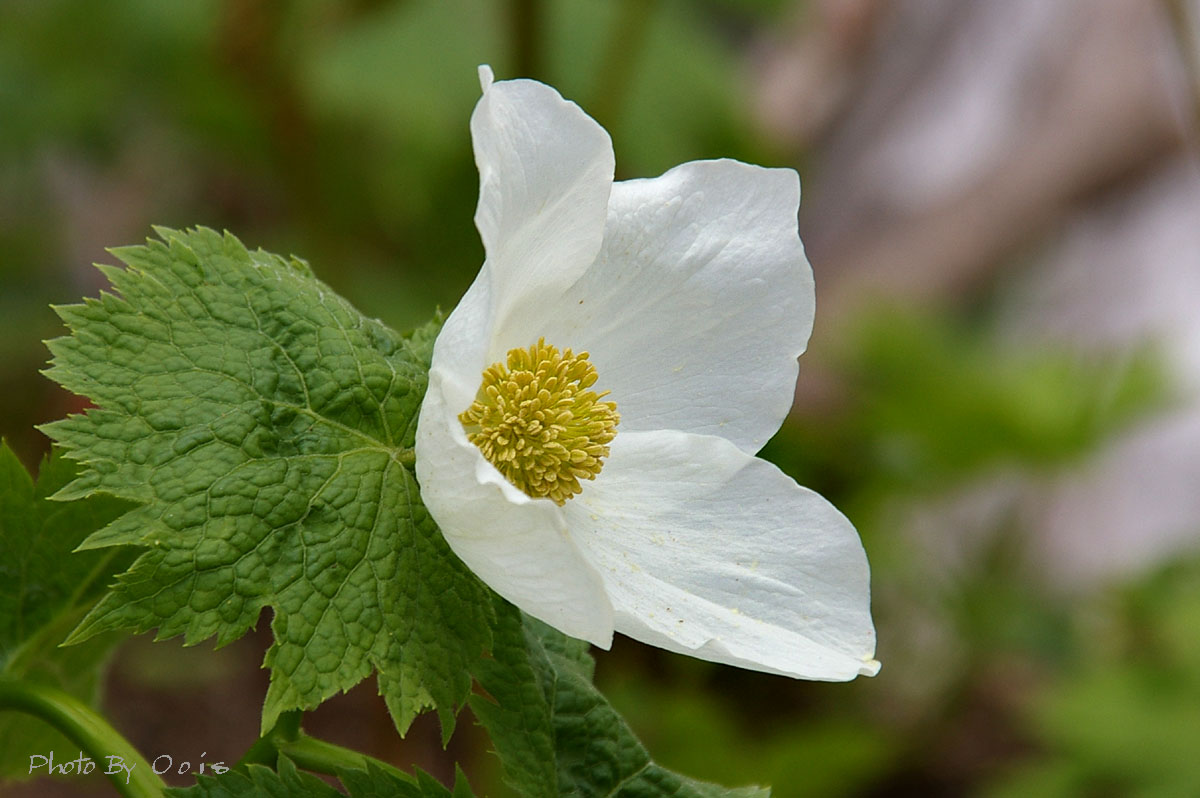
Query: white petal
699, 303
545, 173
517, 545
486, 77
460, 352
707, 551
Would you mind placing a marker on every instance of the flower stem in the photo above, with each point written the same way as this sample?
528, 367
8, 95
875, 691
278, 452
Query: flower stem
84, 727
265, 750
526, 19
307, 752
320, 756
407, 457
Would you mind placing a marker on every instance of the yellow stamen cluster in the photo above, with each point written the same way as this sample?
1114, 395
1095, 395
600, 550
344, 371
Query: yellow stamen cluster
537, 423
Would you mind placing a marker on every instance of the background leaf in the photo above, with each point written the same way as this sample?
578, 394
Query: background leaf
44, 591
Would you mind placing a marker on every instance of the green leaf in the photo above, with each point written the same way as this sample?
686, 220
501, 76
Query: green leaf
1120, 718
944, 400
375, 782
267, 427
44, 591
258, 781
553, 730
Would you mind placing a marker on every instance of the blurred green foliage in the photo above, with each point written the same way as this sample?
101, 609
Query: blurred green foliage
935, 400
1124, 717
338, 130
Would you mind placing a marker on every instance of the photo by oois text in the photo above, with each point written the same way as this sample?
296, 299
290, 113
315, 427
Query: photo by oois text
112, 765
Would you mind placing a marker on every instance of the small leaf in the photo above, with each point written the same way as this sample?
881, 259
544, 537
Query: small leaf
44, 591
267, 427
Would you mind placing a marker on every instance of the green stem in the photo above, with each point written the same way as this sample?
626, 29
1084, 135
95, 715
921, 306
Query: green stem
84, 727
407, 457
324, 757
265, 750
525, 20
309, 752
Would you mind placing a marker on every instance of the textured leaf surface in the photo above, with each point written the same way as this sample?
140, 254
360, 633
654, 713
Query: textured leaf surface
374, 782
266, 426
44, 591
555, 733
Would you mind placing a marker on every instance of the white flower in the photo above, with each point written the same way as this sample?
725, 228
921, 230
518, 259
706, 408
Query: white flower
688, 298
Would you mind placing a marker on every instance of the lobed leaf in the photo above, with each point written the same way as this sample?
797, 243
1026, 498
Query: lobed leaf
266, 427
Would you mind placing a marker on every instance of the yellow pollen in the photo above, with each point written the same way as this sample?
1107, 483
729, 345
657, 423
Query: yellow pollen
535, 420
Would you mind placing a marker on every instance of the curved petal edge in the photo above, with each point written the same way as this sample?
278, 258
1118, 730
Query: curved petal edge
711, 552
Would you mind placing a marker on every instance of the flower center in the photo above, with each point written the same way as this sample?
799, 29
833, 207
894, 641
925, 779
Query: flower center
537, 423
